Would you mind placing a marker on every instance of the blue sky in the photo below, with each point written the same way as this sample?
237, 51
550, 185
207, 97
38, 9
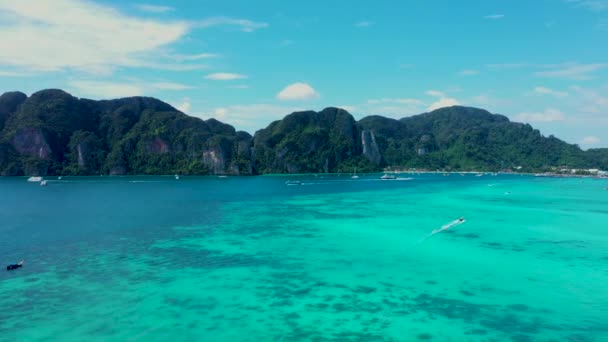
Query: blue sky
248, 63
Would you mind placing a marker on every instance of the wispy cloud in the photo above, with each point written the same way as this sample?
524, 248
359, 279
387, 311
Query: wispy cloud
549, 115
571, 71
590, 101
549, 91
590, 140
184, 106
443, 101
298, 91
250, 117
14, 74
195, 57
225, 76
84, 36
494, 16
594, 5
468, 72
154, 8
110, 90
244, 25
364, 24
435, 93
348, 108
238, 86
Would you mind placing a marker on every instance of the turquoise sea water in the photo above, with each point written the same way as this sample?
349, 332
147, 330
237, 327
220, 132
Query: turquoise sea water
333, 259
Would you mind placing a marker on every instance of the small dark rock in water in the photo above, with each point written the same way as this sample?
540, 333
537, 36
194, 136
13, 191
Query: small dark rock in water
425, 336
431, 282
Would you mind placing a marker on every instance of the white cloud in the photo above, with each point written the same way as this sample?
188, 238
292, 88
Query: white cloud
181, 58
548, 91
251, 117
571, 71
348, 108
468, 72
105, 90
111, 90
13, 74
590, 140
435, 93
184, 106
594, 5
549, 115
297, 91
364, 24
72, 34
443, 102
243, 24
78, 35
494, 16
225, 76
154, 8
591, 101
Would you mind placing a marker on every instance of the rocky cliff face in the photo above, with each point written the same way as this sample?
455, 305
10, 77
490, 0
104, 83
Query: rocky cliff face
31, 142
370, 147
324, 141
52, 132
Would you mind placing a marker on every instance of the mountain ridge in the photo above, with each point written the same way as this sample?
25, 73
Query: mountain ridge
54, 133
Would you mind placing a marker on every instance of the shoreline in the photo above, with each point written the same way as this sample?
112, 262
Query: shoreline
340, 174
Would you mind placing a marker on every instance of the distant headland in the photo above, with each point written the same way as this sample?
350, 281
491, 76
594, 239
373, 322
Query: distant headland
54, 133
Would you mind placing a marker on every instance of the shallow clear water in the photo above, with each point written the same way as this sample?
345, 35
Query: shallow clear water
333, 259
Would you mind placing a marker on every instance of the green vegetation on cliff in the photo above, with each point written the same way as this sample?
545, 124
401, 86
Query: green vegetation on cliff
52, 133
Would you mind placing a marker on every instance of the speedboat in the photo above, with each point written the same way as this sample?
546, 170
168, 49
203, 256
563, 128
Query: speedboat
387, 176
43, 183
293, 182
34, 179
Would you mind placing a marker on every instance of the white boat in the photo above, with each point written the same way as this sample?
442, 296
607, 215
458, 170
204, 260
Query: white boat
34, 179
43, 183
355, 175
222, 176
177, 177
387, 176
293, 182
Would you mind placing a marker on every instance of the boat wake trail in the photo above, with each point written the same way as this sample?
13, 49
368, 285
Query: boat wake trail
443, 228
